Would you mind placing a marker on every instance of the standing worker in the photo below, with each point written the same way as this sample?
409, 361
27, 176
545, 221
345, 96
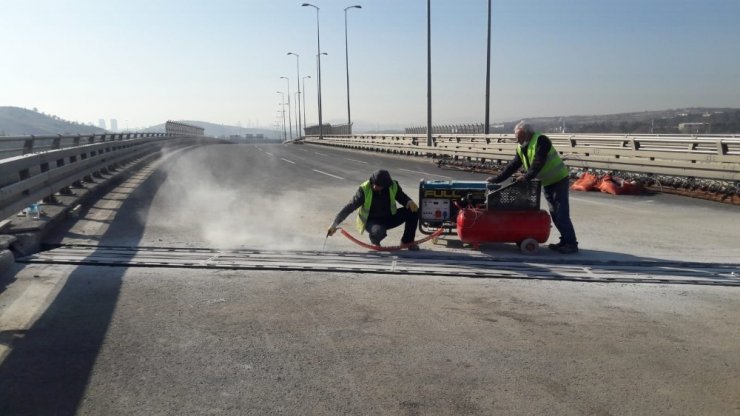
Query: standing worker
541, 161
376, 198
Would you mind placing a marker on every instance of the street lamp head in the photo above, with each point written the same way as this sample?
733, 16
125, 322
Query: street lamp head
310, 5
283, 77
291, 53
356, 6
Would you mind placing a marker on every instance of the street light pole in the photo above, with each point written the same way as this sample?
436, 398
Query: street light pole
282, 103
346, 59
297, 99
298, 81
488, 71
304, 103
429, 73
318, 55
290, 121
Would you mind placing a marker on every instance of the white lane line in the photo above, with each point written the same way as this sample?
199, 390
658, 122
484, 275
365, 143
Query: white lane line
289, 161
355, 160
328, 174
269, 153
322, 154
426, 173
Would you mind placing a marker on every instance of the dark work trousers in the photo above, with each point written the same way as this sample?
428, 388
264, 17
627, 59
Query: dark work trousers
557, 198
377, 227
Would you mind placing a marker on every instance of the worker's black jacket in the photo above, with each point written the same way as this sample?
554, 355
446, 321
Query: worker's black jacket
540, 157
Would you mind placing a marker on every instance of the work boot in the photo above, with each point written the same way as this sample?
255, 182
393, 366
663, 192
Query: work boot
413, 247
556, 246
567, 249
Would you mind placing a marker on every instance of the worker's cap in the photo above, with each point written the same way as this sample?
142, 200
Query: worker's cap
381, 178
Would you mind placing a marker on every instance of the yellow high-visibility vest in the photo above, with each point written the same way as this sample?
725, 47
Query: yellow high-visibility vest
554, 169
364, 212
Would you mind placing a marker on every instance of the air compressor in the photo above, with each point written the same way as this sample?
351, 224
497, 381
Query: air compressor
480, 212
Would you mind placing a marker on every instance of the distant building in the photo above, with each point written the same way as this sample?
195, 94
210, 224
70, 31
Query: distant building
101, 123
693, 128
113, 125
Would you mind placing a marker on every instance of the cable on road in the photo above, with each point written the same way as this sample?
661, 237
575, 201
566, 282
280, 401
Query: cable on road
390, 248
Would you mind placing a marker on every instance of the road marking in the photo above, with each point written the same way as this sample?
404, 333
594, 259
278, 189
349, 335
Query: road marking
327, 174
269, 153
322, 154
355, 160
426, 173
289, 161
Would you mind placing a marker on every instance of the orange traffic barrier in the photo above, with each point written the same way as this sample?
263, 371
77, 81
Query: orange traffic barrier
606, 183
587, 182
618, 186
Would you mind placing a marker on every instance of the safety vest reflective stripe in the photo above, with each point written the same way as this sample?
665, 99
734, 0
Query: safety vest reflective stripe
364, 212
554, 169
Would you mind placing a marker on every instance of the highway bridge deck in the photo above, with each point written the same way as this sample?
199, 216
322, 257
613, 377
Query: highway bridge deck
199, 286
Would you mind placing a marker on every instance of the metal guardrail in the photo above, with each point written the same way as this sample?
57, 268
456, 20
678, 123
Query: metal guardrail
708, 157
47, 165
21, 145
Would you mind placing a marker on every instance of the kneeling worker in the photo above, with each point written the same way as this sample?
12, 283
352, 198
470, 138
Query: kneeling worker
376, 198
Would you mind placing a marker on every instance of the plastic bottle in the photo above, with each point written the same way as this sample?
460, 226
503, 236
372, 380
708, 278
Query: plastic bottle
34, 212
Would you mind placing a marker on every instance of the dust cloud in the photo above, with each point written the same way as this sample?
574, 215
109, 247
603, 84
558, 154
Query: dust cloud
212, 206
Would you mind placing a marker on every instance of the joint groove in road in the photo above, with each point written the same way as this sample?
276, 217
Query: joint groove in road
472, 266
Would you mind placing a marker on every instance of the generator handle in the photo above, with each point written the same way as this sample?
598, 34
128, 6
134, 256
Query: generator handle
501, 188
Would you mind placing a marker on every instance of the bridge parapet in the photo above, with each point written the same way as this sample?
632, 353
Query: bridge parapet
715, 157
34, 168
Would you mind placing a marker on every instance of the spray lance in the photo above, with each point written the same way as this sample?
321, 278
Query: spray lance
329, 232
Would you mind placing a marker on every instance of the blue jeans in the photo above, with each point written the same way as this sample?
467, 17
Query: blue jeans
557, 198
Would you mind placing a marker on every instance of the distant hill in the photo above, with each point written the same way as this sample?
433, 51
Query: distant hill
16, 121
705, 120
220, 130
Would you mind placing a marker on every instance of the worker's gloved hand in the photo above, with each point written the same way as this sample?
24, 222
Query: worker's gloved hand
411, 205
520, 179
491, 179
331, 230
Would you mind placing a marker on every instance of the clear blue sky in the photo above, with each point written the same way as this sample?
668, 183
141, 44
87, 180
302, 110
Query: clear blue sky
220, 60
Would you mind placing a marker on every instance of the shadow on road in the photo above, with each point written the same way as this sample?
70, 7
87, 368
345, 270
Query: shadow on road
50, 365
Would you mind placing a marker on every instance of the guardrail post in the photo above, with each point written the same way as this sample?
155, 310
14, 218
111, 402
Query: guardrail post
28, 145
57, 143
722, 148
76, 140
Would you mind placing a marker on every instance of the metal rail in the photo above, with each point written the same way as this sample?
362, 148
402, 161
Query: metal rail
49, 164
708, 157
22, 145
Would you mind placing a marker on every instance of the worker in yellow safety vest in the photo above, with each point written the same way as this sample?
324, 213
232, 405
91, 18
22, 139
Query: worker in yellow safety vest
540, 160
377, 200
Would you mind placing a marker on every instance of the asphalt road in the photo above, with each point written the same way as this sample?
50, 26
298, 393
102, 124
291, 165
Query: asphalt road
108, 340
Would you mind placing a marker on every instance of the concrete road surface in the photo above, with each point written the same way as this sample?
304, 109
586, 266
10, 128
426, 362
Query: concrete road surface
94, 340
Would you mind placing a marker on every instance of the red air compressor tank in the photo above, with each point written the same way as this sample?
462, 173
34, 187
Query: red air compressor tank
523, 227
